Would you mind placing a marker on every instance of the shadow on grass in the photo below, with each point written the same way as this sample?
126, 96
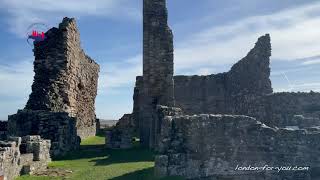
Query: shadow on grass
145, 174
136, 154
103, 156
85, 152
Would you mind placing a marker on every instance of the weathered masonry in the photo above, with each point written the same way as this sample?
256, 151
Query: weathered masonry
61, 105
26, 155
65, 78
203, 127
157, 68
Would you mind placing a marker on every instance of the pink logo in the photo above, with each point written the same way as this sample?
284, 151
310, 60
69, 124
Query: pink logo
36, 33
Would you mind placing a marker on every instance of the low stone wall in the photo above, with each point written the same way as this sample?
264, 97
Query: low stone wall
88, 131
162, 112
213, 146
121, 135
56, 126
287, 109
201, 94
26, 155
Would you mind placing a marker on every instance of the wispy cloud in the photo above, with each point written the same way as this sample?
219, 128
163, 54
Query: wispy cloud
212, 49
311, 60
22, 13
119, 74
16, 79
295, 77
116, 78
208, 50
293, 35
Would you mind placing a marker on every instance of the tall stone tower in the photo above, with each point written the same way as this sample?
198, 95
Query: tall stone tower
157, 52
157, 66
65, 78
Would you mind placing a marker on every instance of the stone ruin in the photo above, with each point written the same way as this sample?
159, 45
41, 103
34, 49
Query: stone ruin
60, 110
121, 137
56, 126
204, 127
61, 105
3, 129
156, 87
201, 127
26, 155
213, 146
65, 78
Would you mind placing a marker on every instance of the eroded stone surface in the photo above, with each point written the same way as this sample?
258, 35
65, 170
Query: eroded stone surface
245, 89
59, 127
61, 105
203, 146
65, 77
227, 93
26, 155
287, 109
121, 135
158, 69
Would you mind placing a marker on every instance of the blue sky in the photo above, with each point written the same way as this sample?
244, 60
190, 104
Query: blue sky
209, 36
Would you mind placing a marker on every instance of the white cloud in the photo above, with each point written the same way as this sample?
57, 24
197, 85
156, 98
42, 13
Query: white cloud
293, 33
16, 79
22, 13
302, 79
311, 62
119, 74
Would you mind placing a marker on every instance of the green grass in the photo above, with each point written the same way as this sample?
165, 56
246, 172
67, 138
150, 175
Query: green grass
94, 162
96, 140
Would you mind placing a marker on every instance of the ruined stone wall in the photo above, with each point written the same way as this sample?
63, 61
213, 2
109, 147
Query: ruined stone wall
157, 53
65, 77
137, 104
3, 129
158, 69
9, 158
244, 90
287, 109
201, 94
162, 112
59, 127
121, 135
251, 75
206, 94
212, 146
26, 155
231, 92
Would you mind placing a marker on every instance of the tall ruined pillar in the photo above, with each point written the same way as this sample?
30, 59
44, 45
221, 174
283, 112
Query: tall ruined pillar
157, 67
65, 78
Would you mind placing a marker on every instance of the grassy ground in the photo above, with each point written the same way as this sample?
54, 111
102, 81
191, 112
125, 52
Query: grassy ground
94, 162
